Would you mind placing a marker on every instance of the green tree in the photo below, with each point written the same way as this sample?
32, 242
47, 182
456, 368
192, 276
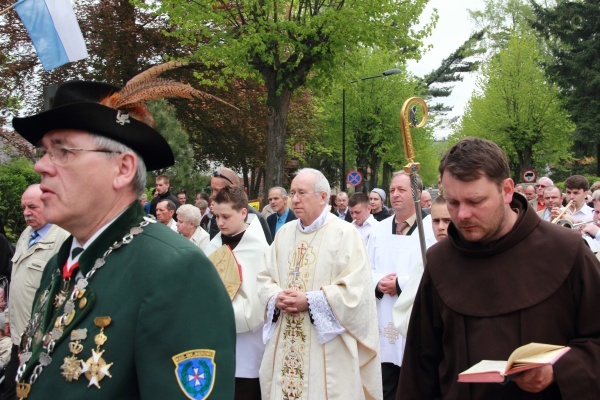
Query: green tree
15, 177
184, 174
373, 137
519, 109
288, 44
571, 32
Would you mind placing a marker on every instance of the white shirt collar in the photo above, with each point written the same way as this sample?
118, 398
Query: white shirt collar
316, 224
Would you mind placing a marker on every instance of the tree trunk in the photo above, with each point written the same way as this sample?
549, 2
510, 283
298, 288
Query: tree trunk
375, 161
278, 105
597, 159
387, 173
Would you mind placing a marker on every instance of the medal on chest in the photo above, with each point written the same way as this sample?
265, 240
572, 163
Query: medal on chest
95, 368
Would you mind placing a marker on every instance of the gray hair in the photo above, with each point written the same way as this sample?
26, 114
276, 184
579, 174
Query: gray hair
202, 203
189, 213
321, 183
282, 190
139, 180
596, 195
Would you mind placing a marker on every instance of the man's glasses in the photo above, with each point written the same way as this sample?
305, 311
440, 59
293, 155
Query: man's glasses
61, 155
217, 174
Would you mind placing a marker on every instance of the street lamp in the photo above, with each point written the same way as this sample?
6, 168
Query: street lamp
383, 74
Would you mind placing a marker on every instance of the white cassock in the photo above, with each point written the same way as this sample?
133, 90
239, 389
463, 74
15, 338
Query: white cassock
398, 254
314, 361
249, 315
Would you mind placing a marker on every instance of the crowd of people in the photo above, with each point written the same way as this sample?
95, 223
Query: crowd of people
119, 297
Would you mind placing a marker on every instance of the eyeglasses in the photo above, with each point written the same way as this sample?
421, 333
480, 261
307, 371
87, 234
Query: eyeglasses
300, 194
60, 155
217, 174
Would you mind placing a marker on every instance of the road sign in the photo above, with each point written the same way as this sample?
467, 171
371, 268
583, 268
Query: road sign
529, 176
354, 178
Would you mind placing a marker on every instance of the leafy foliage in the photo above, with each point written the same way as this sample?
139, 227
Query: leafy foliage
288, 44
571, 32
518, 109
15, 177
373, 133
184, 175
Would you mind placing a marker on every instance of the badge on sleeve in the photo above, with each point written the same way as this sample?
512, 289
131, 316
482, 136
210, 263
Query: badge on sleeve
195, 372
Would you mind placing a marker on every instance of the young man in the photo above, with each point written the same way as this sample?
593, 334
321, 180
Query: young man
163, 192
576, 187
482, 295
242, 234
362, 219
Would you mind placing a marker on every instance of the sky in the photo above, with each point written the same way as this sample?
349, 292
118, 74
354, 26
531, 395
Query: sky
453, 28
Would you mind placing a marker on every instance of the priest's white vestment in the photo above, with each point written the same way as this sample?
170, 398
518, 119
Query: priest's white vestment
331, 260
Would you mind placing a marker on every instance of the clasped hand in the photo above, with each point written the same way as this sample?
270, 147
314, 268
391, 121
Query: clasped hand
291, 301
387, 284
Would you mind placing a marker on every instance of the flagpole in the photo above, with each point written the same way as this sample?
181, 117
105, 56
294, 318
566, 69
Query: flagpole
7, 9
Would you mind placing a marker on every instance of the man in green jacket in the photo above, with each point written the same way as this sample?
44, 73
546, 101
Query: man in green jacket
128, 309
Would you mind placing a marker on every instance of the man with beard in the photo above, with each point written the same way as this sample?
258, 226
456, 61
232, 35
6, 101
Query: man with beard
482, 295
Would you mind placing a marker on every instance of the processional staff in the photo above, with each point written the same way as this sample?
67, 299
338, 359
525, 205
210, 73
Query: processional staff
408, 118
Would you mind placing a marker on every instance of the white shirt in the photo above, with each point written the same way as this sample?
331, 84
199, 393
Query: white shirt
366, 228
586, 213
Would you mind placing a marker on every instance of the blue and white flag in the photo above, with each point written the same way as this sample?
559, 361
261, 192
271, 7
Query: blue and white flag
54, 31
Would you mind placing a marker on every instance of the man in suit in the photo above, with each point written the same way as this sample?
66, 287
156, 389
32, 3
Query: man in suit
36, 245
343, 211
553, 202
278, 200
125, 310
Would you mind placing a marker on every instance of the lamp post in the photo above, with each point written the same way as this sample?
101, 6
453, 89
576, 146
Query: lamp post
383, 74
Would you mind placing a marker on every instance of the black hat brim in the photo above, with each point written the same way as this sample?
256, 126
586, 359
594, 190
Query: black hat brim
101, 120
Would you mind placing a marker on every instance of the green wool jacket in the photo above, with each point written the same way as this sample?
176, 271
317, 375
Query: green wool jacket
172, 330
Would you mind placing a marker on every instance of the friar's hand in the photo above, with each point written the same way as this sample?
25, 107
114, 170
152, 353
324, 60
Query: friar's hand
535, 380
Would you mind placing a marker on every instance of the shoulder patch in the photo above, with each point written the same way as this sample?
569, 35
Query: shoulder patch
195, 371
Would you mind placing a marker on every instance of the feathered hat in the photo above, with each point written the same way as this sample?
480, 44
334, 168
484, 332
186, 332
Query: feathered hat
119, 114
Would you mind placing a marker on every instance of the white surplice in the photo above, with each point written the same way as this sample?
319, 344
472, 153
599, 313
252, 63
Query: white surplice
398, 254
249, 315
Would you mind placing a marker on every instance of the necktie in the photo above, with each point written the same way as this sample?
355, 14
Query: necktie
69, 269
400, 226
76, 251
32, 238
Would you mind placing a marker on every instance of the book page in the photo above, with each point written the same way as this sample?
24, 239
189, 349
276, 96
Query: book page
486, 366
529, 350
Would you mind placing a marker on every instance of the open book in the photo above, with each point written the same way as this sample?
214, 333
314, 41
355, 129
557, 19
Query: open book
532, 355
